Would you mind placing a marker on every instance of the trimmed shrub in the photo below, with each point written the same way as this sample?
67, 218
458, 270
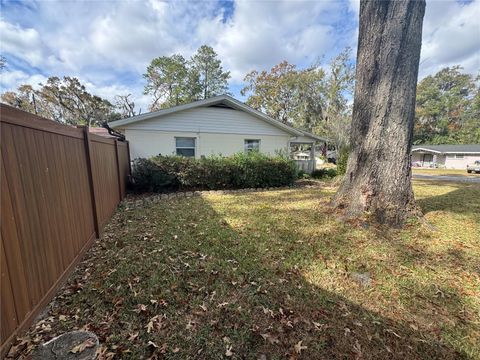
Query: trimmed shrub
342, 161
147, 177
326, 173
252, 170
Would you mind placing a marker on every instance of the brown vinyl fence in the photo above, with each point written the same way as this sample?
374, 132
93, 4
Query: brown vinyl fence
59, 186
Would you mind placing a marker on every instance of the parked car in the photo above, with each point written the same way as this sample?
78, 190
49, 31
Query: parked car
474, 168
332, 156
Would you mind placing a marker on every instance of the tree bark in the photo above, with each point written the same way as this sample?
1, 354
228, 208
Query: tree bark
378, 177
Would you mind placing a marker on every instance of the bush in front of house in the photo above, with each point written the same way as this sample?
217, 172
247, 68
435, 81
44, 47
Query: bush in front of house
251, 170
326, 173
342, 161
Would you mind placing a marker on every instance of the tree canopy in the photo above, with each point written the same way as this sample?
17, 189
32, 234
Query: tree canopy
315, 99
448, 108
173, 80
64, 100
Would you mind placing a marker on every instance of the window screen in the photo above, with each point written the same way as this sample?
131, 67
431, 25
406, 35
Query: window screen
252, 145
185, 146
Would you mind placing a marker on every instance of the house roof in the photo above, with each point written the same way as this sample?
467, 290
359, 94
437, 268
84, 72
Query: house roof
224, 100
449, 149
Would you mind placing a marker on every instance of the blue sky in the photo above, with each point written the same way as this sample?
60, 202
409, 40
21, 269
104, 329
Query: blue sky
108, 44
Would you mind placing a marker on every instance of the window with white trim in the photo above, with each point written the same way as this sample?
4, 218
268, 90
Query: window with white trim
455, 156
185, 146
252, 145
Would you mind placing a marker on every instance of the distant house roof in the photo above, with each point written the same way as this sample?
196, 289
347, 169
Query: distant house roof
222, 100
449, 149
100, 131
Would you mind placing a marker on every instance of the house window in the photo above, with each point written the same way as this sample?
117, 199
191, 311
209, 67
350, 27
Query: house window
450, 156
251, 145
459, 156
185, 146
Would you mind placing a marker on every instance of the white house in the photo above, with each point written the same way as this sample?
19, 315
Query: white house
220, 125
445, 156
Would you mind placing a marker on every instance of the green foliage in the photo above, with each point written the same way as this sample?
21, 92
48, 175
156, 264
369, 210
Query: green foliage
173, 80
64, 100
342, 161
448, 108
326, 173
313, 99
213, 79
148, 177
251, 170
277, 92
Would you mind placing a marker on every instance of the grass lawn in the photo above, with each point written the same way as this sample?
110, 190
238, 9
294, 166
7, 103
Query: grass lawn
440, 172
275, 275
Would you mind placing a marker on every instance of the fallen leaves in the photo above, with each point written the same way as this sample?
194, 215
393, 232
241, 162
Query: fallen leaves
88, 343
228, 352
299, 347
258, 286
270, 338
141, 308
155, 323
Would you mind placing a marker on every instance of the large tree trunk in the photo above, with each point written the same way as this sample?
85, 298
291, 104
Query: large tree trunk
378, 177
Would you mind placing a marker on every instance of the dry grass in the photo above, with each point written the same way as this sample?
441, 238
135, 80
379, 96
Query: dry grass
272, 275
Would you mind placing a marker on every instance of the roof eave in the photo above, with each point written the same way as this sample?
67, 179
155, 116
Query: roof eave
207, 102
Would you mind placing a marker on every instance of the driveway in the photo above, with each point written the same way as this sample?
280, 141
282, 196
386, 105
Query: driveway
451, 178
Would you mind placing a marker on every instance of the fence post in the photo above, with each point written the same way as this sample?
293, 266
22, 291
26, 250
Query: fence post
129, 160
119, 174
88, 152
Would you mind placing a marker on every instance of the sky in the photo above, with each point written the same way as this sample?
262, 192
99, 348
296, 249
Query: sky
108, 44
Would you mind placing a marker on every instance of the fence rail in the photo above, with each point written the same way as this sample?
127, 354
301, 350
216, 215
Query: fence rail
59, 187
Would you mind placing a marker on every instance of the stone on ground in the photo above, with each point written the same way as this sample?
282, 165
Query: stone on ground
75, 345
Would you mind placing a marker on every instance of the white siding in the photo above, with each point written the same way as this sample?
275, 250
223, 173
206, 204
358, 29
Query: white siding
451, 163
209, 120
147, 143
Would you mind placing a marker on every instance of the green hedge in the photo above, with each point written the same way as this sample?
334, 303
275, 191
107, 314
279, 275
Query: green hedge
342, 161
252, 170
326, 173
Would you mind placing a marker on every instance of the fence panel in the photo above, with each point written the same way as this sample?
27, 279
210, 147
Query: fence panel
59, 186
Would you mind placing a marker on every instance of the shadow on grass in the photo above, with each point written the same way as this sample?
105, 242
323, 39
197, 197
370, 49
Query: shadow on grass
464, 199
227, 279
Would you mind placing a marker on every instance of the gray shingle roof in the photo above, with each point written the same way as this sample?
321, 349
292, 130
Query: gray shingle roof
469, 148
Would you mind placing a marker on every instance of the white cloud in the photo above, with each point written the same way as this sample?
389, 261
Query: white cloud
108, 45
451, 36
12, 79
24, 43
262, 34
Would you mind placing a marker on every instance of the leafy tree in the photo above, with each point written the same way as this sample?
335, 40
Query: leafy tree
64, 100
171, 82
125, 106
313, 99
338, 89
213, 79
274, 92
23, 98
445, 110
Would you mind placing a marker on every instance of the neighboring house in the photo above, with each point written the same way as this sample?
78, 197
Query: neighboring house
220, 125
445, 156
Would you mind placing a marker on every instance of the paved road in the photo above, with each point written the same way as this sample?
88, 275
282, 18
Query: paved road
452, 178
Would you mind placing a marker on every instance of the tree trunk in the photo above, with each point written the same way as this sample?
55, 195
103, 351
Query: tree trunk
378, 177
